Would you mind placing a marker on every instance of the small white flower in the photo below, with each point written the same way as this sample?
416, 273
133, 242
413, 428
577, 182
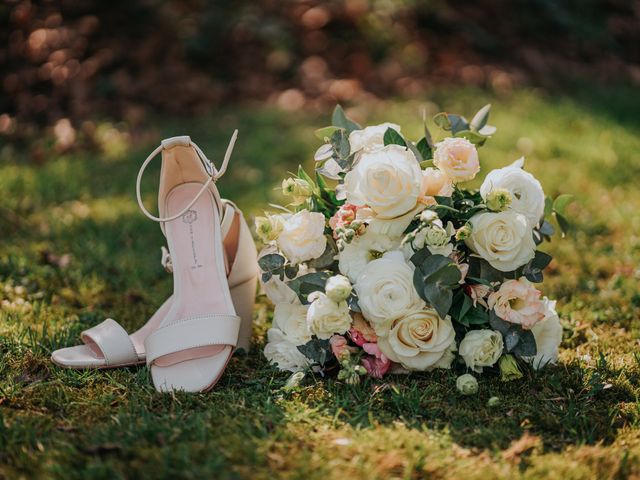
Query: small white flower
481, 348
302, 237
467, 384
338, 288
527, 196
326, 317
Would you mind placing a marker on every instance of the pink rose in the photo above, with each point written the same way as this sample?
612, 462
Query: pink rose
361, 332
376, 364
457, 158
518, 301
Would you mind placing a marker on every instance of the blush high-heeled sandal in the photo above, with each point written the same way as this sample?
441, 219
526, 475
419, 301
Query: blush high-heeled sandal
108, 345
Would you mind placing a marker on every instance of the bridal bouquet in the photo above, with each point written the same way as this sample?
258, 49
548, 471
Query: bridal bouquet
384, 262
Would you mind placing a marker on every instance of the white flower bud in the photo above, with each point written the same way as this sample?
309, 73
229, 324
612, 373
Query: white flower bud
338, 288
467, 384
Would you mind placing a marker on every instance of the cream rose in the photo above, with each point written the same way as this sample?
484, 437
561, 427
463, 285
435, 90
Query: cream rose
457, 158
436, 183
370, 138
388, 180
548, 335
326, 317
420, 340
386, 292
503, 239
283, 352
518, 301
355, 255
527, 196
302, 237
481, 348
292, 321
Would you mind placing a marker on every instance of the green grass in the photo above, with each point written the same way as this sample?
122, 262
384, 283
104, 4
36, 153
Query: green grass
579, 419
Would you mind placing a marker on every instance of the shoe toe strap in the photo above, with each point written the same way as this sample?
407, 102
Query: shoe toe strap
111, 341
191, 333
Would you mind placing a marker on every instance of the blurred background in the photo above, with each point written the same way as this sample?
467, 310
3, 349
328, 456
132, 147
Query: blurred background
67, 67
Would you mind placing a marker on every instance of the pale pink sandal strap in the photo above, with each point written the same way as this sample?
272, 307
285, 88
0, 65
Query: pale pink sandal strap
201, 331
213, 172
113, 342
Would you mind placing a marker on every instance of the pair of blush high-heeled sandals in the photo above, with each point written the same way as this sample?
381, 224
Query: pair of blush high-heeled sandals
188, 342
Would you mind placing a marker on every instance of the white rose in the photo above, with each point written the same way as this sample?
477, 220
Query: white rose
302, 237
503, 239
280, 350
388, 180
386, 292
370, 138
355, 255
527, 196
420, 340
481, 348
326, 317
338, 288
548, 335
292, 321
457, 158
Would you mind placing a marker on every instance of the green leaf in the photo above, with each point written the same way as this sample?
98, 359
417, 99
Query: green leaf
392, 137
564, 224
433, 263
439, 298
309, 283
562, 202
325, 132
487, 130
473, 137
446, 276
548, 206
541, 260
339, 119
415, 151
327, 258
498, 324
442, 120
271, 262
477, 316
340, 144
480, 119
526, 346
316, 350
425, 150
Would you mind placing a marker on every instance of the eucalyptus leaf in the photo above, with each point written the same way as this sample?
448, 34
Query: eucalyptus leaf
340, 144
340, 119
564, 224
327, 258
271, 262
511, 339
480, 119
309, 283
487, 130
325, 132
316, 350
415, 151
498, 324
472, 136
439, 298
526, 347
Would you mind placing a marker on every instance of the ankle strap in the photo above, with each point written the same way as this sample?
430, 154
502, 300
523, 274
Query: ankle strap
212, 171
